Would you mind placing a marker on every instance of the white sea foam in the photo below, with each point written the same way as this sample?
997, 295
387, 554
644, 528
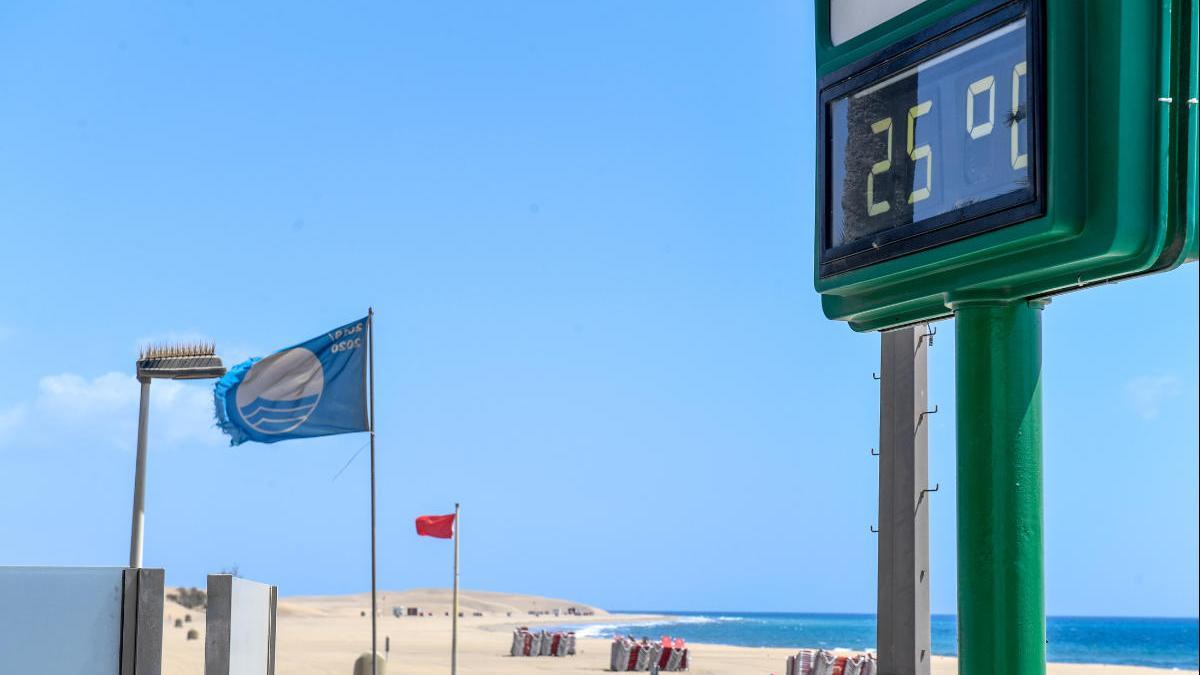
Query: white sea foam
601, 630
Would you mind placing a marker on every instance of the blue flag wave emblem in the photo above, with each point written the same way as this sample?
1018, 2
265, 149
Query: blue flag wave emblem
274, 417
316, 388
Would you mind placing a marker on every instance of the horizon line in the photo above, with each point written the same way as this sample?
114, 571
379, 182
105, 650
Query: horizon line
860, 614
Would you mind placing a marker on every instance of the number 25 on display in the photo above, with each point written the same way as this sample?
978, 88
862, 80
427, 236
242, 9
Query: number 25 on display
975, 130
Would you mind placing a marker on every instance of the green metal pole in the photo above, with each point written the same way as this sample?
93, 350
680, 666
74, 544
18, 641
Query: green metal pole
1001, 589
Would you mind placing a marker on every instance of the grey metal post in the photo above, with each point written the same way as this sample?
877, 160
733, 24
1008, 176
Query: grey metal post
218, 624
903, 639
454, 621
139, 480
142, 622
374, 591
273, 630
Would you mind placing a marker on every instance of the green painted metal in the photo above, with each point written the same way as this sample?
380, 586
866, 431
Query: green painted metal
1177, 48
1175, 80
1001, 588
1103, 161
1171, 137
1183, 66
1193, 132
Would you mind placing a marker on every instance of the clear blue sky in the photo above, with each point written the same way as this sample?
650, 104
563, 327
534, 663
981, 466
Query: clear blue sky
586, 230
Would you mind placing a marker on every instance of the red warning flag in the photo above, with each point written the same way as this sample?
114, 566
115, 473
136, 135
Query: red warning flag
441, 527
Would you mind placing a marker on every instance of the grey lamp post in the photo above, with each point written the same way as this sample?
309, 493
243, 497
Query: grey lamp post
172, 362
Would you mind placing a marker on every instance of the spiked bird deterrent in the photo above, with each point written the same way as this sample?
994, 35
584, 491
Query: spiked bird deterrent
184, 361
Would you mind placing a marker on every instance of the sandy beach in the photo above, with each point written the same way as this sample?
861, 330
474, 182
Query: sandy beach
323, 635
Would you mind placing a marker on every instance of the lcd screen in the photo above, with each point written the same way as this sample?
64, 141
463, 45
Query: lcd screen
931, 145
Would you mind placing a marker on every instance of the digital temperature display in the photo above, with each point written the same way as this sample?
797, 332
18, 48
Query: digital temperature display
935, 144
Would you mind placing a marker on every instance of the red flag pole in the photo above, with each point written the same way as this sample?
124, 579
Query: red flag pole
454, 629
371, 357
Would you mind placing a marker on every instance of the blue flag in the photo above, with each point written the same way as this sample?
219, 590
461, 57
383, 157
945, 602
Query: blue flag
316, 388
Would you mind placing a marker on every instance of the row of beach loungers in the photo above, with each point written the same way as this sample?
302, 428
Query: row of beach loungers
629, 654
821, 662
526, 643
671, 655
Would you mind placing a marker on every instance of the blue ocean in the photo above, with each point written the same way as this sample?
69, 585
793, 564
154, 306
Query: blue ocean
1157, 643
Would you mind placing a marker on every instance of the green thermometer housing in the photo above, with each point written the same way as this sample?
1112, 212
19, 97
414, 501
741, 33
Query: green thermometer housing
1002, 149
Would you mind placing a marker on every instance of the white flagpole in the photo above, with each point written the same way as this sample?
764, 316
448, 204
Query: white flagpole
139, 480
371, 357
454, 629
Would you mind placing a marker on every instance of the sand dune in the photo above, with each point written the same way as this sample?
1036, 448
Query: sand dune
322, 635
435, 600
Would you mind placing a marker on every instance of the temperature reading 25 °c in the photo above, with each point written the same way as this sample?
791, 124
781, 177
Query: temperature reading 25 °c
977, 128
948, 133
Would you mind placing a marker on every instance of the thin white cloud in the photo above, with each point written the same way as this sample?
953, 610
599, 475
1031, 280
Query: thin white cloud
69, 409
234, 354
1148, 393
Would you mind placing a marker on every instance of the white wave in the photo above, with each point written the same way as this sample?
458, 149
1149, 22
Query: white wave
601, 630
596, 631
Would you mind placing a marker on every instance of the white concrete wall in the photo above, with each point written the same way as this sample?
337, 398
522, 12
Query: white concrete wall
61, 620
249, 630
239, 639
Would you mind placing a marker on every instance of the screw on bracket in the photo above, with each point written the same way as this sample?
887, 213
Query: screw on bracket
928, 334
921, 418
921, 496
